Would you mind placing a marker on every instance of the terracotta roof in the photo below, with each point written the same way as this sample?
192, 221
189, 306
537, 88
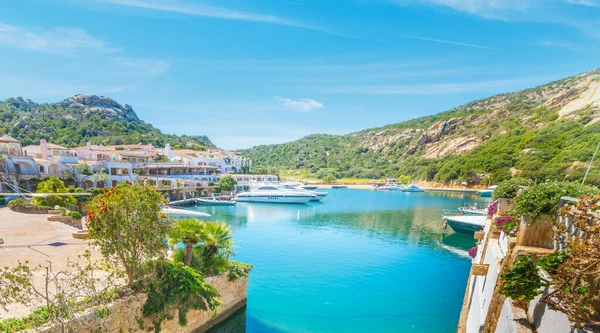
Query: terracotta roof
6, 138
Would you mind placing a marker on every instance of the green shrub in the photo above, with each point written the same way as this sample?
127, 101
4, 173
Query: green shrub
53, 184
238, 269
543, 198
16, 202
551, 262
75, 215
173, 284
508, 189
521, 281
36, 318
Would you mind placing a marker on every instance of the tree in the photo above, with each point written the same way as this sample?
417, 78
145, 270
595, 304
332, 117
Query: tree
102, 177
60, 292
127, 225
217, 240
53, 184
83, 169
188, 231
227, 183
328, 179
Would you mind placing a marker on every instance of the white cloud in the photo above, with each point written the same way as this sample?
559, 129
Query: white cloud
450, 42
144, 67
66, 41
180, 7
493, 9
489, 86
300, 105
588, 3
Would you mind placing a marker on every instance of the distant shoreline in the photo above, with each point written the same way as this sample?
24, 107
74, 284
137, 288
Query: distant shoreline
428, 189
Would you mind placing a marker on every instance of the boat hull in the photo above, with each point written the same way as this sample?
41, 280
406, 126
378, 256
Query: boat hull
485, 193
465, 224
468, 211
215, 202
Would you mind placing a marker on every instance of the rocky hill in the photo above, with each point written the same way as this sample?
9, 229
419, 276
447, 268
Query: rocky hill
547, 132
82, 118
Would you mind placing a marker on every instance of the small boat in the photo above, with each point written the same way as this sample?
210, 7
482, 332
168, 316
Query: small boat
180, 213
412, 188
339, 186
395, 187
485, 193
275, 194
472, 209
309, 187
215, 202
465, 224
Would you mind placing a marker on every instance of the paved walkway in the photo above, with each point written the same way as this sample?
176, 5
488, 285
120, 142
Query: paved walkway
30, 237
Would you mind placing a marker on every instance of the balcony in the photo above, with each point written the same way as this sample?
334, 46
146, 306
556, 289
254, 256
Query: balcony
22, 158
68, 159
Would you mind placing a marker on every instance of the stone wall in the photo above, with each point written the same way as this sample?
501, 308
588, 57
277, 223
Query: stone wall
126, 314
29, 209
66, 220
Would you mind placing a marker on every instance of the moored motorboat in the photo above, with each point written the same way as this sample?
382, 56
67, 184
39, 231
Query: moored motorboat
309, 187
181, 213
472, 209
485, 193
412, 188
339, 186
465, 224
274, 194
215, 202
298, 187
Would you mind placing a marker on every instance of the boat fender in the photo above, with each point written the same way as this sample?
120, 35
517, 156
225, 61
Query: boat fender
445, 225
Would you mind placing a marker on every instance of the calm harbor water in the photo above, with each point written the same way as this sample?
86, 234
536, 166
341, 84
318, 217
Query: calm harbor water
360, 261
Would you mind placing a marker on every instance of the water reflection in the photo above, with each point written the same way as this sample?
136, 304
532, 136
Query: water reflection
360, 261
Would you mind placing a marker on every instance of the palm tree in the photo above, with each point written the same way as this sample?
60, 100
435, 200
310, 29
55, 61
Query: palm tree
190, 232
217, 240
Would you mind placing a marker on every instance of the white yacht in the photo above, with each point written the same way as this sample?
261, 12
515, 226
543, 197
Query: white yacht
299, 187
412, 188
275, 194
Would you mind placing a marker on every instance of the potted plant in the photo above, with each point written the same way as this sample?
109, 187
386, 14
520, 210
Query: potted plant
507, 190
508, 223
538, 206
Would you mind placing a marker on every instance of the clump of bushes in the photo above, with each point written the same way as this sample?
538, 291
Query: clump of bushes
509, 188
20, 204
543, 198
75, 215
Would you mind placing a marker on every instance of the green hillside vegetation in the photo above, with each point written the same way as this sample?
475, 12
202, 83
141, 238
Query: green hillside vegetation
70, 124
516, 131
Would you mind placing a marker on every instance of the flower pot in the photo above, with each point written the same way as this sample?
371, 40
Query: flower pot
536, 233
80, 234
505, 204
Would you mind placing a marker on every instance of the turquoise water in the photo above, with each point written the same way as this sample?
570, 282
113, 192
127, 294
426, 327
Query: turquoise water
360, 261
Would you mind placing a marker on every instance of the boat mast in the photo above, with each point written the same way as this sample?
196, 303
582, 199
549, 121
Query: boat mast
589, 166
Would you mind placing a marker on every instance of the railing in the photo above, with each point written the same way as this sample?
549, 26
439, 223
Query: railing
565, 220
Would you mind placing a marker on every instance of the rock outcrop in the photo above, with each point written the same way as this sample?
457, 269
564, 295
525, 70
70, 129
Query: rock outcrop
435, 132
94, 103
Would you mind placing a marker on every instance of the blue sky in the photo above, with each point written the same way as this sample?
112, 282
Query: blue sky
256, 72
